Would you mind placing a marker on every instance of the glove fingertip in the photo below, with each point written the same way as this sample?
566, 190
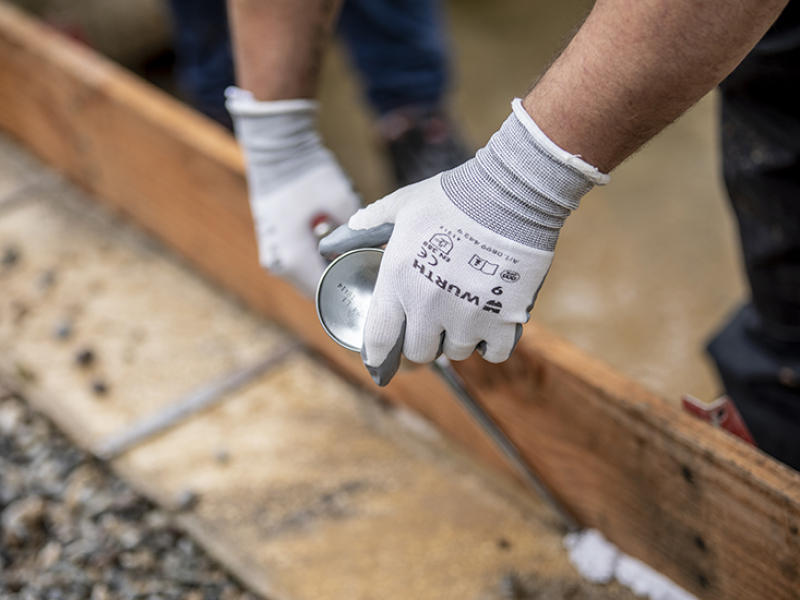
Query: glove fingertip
383, 373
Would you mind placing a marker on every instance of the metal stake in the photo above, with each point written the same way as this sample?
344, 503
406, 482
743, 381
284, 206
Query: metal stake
443, 367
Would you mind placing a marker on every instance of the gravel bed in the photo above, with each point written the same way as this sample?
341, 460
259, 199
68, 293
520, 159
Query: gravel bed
71, 530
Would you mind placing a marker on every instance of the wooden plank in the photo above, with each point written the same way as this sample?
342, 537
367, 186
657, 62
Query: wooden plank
718, 517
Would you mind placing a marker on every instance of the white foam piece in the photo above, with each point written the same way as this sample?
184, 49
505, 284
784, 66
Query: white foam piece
647, 582
592, 554
600, 561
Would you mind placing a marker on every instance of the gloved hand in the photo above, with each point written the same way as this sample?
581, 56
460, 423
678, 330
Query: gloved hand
293, 182
467, 249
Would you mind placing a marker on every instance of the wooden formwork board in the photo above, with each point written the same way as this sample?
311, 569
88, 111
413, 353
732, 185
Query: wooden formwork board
715, 515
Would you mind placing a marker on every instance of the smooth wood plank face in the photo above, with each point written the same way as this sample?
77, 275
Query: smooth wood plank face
718, 517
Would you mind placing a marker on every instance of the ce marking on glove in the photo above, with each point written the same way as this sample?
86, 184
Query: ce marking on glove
440, 246
432, 260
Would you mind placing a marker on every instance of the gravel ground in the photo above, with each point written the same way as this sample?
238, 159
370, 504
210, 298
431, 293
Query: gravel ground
71, 530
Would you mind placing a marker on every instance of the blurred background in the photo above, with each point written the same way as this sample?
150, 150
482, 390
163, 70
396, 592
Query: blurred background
645, 271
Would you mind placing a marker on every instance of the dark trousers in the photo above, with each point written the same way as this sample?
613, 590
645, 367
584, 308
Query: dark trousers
398, 46
758, 352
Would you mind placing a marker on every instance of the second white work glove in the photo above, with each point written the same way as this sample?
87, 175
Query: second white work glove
467, 250
294, 184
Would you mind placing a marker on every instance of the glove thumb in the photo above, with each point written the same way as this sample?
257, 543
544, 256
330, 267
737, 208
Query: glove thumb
370, 227
343, 239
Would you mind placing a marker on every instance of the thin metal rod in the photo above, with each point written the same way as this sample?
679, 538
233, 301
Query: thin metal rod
189, 405
443, 367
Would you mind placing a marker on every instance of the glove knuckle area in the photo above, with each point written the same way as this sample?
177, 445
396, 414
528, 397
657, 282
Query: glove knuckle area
422, 342
497, 348
458, 349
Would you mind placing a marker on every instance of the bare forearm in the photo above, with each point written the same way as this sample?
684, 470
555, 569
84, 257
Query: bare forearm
278, 44
637, 65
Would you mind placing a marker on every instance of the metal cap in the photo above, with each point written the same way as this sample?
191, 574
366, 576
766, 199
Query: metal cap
344, 293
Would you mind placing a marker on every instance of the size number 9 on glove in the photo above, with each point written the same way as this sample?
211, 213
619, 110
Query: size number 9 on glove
446, 283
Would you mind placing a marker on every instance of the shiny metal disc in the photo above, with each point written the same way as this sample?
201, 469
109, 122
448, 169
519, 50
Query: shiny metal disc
344, 293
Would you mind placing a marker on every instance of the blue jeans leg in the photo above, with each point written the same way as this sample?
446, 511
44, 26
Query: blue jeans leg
400, 48
204, 60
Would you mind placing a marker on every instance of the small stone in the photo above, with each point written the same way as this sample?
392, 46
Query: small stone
78, 551
85, 357
12, 484
99, 387
49, 555
12, 413
130, 538
21, 520
157, 520
141, 560
100, 592
62, 524
186, 500
186, 546
98, 503
82, 484
212, 592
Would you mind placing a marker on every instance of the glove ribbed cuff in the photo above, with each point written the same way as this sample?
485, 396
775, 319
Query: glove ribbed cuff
279, 138
521, 185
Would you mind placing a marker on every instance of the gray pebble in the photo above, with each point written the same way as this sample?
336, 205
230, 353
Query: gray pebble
21, 520
12, 414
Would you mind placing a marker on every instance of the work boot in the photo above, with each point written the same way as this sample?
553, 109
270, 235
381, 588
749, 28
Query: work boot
761, 373
421, 142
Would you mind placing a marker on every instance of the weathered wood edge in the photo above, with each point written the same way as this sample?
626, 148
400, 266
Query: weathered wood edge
181, 177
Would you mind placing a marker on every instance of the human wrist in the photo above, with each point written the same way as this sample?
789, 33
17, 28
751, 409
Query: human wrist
521, 185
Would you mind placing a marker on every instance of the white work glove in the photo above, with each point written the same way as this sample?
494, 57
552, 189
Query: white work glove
294, 184
467, 249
